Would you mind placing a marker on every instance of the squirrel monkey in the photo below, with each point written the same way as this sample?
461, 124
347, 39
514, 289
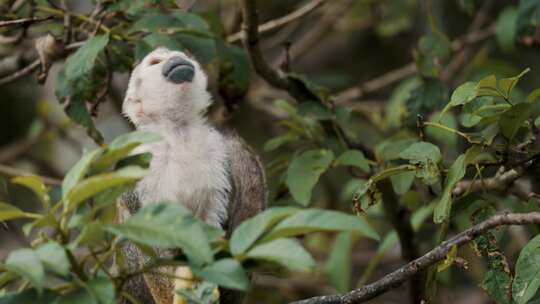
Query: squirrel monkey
212, 172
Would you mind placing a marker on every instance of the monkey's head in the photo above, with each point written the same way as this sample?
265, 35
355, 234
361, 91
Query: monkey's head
167, 86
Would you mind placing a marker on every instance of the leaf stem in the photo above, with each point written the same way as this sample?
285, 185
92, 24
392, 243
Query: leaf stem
443, 127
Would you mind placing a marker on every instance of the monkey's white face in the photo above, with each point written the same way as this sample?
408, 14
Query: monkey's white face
167, 86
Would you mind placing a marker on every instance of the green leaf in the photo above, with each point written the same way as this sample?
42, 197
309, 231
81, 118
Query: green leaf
10, 212
202, 46
121, 146
78, 112
314, 110
225, 272
367, 195
533, 96
506, 29
395, 108
496, 283
527, 280
443, 137
529, 10
78, 172
26, 263
512, 119
506, 85
432, 95
167, 225
54, 258
421, 152
91, 235
462, 95
155, 40
203, 293
103, 289
449, 260
315, 220
391, 148
433, 49
425, 156
82, 62
235, 72
304, 172
486, 136
497, 279
98, 183
488, 87
36, 184
338, 267
155, 23
285, 106
99, 290
28, 296
402, 182
471, 112
286, 252
456, 173
78, 296
250, 230
353, 158
279, 141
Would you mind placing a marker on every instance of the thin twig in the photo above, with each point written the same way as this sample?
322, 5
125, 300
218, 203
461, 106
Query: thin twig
67, 23
14, 150
22, 72
461, 57
35, 65
401, 275
315, 35
11, 172
279, 22
23, 21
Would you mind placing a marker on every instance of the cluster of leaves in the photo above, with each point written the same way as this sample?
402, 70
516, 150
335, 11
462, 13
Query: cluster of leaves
126, 32
492, 122
76, 236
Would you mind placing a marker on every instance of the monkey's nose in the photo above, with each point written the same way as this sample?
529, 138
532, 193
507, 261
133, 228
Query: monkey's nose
178, 70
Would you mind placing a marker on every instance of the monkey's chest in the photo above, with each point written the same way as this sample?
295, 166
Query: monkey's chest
194, 175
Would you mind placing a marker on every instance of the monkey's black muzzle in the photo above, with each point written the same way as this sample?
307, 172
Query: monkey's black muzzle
178, 70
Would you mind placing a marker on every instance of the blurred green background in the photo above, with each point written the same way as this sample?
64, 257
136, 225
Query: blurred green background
338, 45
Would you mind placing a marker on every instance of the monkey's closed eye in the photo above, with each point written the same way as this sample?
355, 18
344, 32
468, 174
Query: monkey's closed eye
154, 61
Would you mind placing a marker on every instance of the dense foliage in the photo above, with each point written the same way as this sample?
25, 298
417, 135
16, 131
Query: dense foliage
453, 145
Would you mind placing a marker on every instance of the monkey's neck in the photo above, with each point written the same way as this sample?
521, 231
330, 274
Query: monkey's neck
178, 132
167, 127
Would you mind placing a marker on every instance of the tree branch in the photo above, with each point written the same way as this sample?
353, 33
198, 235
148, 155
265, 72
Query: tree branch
396, 278
399, 217
408, 69
279, 22
499, 182
251, 44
